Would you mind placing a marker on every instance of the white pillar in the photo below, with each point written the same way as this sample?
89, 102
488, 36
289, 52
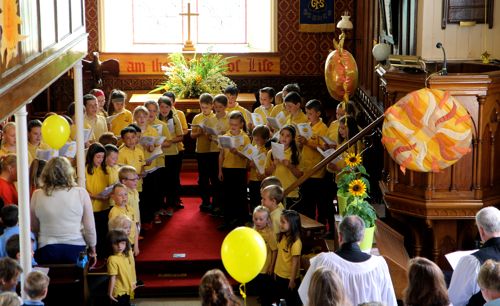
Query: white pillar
80, 144
23, 190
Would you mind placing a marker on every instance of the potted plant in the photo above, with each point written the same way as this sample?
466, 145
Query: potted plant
189, 78
353, 170
360, 207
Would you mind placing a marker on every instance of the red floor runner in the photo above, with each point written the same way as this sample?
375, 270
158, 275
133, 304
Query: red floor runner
188, 235
189, 178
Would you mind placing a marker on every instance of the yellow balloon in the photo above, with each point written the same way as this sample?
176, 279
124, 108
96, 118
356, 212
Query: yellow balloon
55, 131
243, 254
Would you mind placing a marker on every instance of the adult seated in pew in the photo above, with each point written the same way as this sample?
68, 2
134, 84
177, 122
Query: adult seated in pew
61, 215
365, 278
464, 289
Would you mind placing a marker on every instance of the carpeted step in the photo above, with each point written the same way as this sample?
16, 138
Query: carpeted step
169, 284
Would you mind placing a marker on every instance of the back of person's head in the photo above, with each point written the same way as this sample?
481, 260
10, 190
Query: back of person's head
206, 98
326, 289
9, 298
10, 215
58, 173
489, 279
9, 269
36, 285
215, 290
352, 229
12, 247
108, 138
488, 219
262, 131
426, 285
231, 90
293, 97
7, 162
221, 99
274, 192
291, 87
119, 222
278, 98
270, 180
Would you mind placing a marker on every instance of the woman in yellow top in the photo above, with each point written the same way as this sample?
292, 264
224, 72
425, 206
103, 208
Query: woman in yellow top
120, 116
96, 180
287, 170
8, 139
233, 173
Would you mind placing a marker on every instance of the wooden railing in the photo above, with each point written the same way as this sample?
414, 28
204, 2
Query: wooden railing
325, 161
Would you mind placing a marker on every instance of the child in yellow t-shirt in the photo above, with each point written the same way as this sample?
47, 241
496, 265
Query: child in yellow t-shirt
287, 265
263, 282
121, 269
208, 180
96, 180
287, 170
119, 115
261, 135
266, 99
131, 153
292, 103
313, 189
233, 173
128, 177
120, 198
272, 196
231, 93
112, 162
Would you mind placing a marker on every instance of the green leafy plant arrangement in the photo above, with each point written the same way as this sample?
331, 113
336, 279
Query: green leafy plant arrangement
189, 78
352, 182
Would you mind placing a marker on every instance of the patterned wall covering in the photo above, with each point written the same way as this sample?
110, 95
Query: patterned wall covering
302, 59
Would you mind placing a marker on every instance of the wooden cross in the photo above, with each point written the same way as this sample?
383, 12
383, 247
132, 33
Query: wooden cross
188, 44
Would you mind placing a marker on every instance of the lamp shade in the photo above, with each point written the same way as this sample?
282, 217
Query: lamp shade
381, 51
345, 23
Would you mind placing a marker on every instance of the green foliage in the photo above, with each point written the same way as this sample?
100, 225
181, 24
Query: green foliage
363, 209
189, 78
349, 174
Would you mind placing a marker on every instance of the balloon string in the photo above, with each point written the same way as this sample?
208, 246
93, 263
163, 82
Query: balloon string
243, 293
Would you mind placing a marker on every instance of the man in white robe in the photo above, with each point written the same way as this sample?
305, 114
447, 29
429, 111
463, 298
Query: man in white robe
365, 278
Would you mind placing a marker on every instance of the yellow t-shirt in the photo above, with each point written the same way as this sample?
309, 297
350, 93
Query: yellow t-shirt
275, 218
121, 121
284, 174
95, 183
254, 173
113, 173
152, 132
86, 125
203, 142
283, 266
4, 151
133, 157
175, 130
271, 246
264, 112
221, 125
32, 150
184, 126
233, 160
98, 125
310, 155
122, 267
241, 109
300, 117
277, 109
172, 150
133, 202
333, 131
129, 212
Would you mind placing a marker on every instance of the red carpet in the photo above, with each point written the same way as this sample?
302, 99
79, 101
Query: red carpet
189, 178
188, 235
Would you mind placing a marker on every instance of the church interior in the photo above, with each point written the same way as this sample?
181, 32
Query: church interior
419, 78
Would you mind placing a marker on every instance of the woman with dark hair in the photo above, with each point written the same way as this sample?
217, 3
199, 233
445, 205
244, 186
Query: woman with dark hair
61, 215
215, 290
426, 285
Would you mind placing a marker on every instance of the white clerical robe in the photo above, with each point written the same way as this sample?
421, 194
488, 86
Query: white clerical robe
367, 281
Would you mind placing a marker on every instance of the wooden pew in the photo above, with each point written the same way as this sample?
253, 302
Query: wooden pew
312, 240
391, 246
67, 283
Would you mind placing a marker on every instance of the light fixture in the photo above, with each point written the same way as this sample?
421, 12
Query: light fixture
381, 52
345, 23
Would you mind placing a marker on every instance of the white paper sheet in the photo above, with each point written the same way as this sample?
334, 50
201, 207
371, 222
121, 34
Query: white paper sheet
278, 150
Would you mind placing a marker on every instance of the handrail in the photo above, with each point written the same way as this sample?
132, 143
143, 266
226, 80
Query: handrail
332, 156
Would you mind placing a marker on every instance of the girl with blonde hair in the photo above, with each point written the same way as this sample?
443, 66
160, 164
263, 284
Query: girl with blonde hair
326, 289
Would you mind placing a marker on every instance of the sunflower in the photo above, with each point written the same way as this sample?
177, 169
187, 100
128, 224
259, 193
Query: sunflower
352, 160
357, 188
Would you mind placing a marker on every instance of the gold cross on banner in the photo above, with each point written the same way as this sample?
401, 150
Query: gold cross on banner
188, 44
